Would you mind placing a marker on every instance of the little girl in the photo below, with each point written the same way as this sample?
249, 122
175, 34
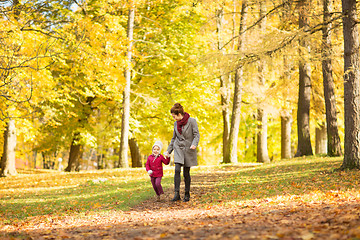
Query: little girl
155, 169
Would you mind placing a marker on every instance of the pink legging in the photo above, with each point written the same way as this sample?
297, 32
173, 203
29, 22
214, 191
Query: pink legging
156, 182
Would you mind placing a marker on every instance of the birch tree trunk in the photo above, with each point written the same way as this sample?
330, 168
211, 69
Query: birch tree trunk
351, 86
321, 139
333, 138
303, 112
262, 151
236, 111
8, 157
123, 156
286, 122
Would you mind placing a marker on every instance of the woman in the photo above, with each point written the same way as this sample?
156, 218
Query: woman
184, 142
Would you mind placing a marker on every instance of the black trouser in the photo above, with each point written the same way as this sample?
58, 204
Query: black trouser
177, 177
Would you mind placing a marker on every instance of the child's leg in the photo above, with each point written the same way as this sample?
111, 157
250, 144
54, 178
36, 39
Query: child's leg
158, 186
153, 181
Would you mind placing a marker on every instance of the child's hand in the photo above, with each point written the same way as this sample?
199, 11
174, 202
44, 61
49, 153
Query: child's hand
150, 172
166, 154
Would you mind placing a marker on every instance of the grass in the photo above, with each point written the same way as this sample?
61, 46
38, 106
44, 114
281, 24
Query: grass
309, 179
43, 193
35, 194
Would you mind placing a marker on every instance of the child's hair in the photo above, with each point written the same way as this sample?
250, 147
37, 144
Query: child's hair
177, 108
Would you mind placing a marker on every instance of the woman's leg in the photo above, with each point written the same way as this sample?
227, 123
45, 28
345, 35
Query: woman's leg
187, 180
177, 180
177, 177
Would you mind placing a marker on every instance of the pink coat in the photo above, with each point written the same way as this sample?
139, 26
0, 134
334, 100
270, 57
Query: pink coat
156, 165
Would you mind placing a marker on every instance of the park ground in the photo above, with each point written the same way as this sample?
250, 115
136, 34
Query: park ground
303, 198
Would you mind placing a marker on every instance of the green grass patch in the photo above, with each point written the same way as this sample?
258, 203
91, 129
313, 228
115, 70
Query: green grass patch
286, 178
53, 193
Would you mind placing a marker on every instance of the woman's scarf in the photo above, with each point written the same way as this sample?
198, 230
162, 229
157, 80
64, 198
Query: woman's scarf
182, 122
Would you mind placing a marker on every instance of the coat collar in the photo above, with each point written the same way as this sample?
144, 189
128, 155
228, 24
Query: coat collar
186, 126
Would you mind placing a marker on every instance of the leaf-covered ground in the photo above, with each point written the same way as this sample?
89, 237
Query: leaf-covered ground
298, 199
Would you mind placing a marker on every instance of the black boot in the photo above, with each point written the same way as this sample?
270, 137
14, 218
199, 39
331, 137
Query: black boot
187, 197
176, 197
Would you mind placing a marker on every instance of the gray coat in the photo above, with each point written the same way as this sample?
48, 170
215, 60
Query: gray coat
181, 143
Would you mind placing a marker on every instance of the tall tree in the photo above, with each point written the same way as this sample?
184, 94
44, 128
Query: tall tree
303, 111
262, 146
236, 111
351, 86
76, 147
123, 156
225, 87
333, 138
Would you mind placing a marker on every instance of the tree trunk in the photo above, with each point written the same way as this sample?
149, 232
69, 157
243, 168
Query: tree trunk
262, 151
135, 153
303, 112
76, 148
320, 139
74, 154
123, 155
8, 157
333, 138
262, 154
225, 88
286, 122
236, 112
351, 86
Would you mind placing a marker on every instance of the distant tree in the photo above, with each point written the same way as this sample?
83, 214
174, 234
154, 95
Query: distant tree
262, 133
236, 111
225, 86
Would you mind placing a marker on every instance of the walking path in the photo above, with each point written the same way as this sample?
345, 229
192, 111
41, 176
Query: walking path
255, 219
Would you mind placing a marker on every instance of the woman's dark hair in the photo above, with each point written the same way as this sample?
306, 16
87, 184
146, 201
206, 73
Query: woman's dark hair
177, 108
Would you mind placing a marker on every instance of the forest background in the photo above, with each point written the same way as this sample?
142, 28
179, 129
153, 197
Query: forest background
91, 83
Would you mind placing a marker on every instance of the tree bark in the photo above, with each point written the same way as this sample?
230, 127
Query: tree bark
321, 139
74, 154
286, 122
262, 154
236, 111
135, 153
8, 157
303, 112
351, 86
224, 88
333, 138
123, 155
76, 147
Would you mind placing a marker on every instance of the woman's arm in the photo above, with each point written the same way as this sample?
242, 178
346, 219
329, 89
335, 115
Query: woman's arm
171, 145
196, 134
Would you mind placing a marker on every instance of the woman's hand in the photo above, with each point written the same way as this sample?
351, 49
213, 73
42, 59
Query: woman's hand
192, 147
166, 154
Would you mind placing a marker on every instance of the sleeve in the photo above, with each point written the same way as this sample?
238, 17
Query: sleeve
165, 160
147, 165
171, 145
196, 133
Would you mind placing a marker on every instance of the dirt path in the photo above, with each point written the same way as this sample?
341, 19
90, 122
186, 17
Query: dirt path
197, 220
